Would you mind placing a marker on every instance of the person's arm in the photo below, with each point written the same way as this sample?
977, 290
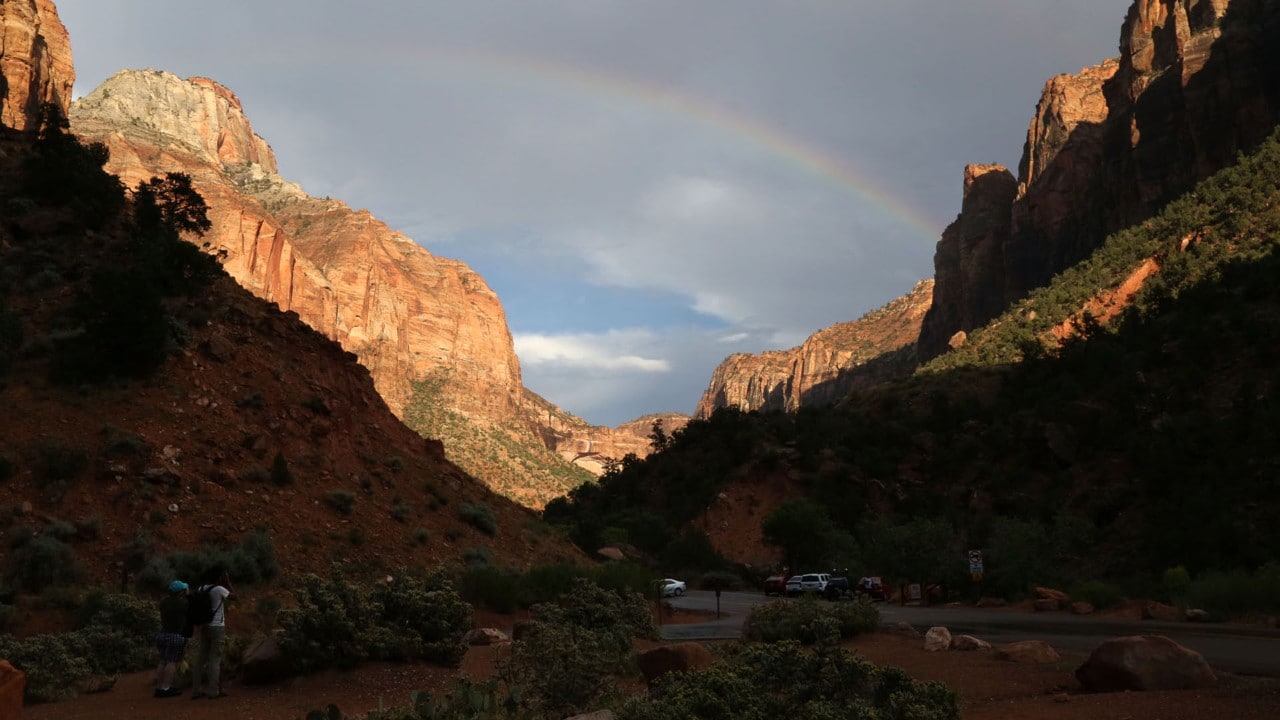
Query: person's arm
226, 582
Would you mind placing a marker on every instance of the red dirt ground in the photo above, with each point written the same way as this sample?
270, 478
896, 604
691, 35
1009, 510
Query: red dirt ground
989, 689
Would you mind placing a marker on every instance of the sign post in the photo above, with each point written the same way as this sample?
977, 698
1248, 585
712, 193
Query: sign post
975, 569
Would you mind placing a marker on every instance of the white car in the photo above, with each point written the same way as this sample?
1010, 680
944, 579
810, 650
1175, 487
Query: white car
670, 587
793, 586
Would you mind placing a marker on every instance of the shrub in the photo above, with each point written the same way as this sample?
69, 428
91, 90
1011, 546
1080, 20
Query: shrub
114, 635
280, 473
492, 588
1176, 580
475, 556
1097, 593
338, 623
44, 561
800, 620
479, 517
252, 561
342, 501
783, 680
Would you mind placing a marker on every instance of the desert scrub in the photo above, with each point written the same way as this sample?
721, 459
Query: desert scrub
479, 517
804, 620
342, 501
342, 623
785, 680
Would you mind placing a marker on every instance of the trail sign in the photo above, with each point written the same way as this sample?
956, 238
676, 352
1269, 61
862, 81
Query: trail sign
975, 564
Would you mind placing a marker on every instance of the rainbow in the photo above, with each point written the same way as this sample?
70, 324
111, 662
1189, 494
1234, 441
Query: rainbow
574, 79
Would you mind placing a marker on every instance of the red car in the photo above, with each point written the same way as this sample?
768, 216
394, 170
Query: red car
775, 585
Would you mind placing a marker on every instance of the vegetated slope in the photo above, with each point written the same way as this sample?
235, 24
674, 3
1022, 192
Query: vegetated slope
147, 412
1063, 446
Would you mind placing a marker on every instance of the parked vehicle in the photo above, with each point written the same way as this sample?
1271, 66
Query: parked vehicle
793, 586
670, 587
873, 588
814, 582
837, 587
775, 585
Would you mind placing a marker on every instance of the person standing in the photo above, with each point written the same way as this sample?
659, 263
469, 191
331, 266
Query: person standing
206, 673
171, 643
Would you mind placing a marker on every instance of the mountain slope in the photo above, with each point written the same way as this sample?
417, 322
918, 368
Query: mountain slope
246, 420
432, 333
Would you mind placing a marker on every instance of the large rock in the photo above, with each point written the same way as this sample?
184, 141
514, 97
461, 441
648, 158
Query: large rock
13, 683
829, 365
1027, 652
35, 61
937, 639
1144, 662
264, 663
969, 643
1107, 148
485, 636
681, 657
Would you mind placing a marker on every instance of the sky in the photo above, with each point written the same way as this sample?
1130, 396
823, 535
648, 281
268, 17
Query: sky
649, 186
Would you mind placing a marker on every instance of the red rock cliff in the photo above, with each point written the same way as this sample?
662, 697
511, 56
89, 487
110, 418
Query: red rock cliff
35, 62
1197, 81
403, 311
829, 365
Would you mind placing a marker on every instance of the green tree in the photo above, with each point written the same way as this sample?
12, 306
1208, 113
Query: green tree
805, 534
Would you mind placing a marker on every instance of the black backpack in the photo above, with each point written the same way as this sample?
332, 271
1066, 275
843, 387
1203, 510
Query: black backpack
200, 608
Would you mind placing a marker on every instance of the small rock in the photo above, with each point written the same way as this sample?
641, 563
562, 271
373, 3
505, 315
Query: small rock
173, 507
969, 643
1197, 615
1081, 608
938, 638
1027, 652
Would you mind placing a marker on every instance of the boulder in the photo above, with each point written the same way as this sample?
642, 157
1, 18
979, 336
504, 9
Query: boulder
1027, 652
1144, 662
611, 553
1160, 611
13, 683
680, 657
1059, 598
264, 663
938, 638
904, 629
1197, 615
485, 636
1081, 608
992, 602
969, 643
1047, 605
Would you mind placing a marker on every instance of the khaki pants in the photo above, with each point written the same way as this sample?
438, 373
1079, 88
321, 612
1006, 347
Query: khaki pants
205, 674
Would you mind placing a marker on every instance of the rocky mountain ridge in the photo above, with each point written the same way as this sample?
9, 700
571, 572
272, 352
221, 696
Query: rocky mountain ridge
829, 365
1194, 85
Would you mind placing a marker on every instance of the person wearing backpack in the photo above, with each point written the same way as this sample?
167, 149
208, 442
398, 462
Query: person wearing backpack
208, 612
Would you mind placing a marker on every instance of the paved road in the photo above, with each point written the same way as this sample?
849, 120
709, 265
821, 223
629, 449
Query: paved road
1231, 648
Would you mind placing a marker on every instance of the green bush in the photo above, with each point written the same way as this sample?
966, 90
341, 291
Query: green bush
492, 588
1097, 593
252, 561
343, 501
566, 660
803, 620
783, 680
42, 562
1175, 582
338, 623
1233, 594
479, 517
114, 635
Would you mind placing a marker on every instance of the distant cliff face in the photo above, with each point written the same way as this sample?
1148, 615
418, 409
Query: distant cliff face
1197, 81
829, 365
594, 448
35, 62
405, 313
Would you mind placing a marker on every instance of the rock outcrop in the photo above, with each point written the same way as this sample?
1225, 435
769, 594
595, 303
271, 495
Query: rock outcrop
591, 447
405, 313
831, 363
35, 62
1197, 82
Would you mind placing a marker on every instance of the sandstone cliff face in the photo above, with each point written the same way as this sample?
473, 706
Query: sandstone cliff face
1197, 81
404, 312
829, 365
35, 62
